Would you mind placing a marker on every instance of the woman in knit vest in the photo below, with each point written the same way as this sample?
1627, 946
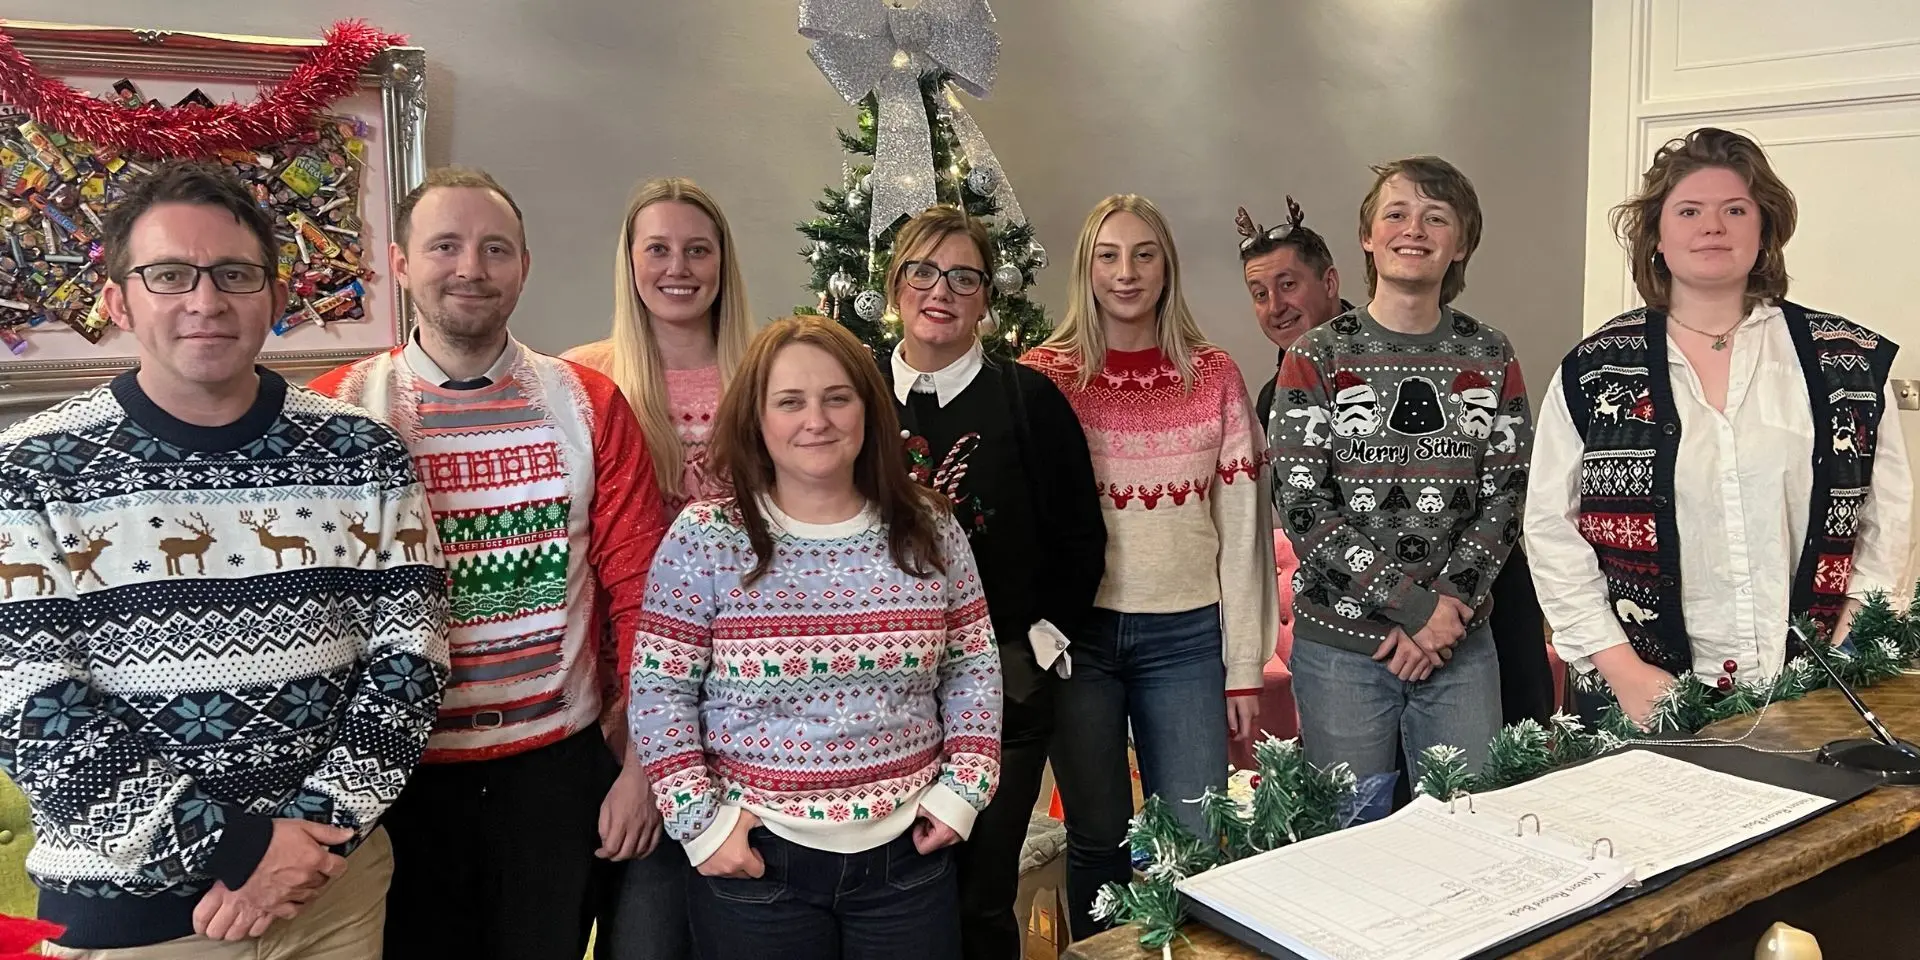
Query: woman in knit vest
680, 328
1186, 615
1723, 417
816, 691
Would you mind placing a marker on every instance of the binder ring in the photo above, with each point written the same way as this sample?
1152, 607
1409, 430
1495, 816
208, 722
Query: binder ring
1520, 828
1456, 797
1594, 854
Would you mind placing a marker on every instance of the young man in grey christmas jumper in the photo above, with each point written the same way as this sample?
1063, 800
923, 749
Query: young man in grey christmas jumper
1401, 493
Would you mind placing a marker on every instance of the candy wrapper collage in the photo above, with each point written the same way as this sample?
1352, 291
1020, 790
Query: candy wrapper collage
55, 192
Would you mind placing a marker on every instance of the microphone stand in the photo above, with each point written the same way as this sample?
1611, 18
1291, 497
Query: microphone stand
1893, 759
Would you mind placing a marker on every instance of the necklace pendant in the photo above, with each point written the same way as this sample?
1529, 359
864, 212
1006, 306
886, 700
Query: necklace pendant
1720, 342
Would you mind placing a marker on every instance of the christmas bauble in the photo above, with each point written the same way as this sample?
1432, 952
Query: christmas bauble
1038, 255
982, 180
869, 305
855, 199
819, 250
1008, 280
841, 286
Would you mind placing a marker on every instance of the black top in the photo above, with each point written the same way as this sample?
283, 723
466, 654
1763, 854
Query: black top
1264, 405
1025, 497
251, 426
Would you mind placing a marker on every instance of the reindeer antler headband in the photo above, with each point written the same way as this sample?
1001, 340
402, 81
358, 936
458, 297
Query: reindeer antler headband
1251, 232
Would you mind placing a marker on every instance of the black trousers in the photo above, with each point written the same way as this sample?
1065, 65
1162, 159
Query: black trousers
989, 861
1520, 636
494, 858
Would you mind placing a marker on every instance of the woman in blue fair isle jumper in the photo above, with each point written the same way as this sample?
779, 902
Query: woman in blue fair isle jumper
816, 690
1724, 417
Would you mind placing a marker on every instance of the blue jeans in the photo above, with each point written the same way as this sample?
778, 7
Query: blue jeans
1354, 711
1163, 673
644, 915
878, 904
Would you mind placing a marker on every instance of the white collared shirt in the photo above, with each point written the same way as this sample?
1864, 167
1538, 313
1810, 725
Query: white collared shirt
944, 384
1742, 484
417, 359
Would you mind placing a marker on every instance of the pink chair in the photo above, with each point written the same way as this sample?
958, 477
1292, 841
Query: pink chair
1279, 715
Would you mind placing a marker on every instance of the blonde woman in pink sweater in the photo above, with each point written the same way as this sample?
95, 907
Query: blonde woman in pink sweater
1186, 615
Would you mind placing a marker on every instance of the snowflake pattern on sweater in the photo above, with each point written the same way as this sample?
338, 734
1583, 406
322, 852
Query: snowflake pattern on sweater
1400, 466
195, 640
824, 697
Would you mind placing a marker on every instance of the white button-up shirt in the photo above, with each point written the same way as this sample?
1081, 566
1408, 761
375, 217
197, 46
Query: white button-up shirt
1743, 482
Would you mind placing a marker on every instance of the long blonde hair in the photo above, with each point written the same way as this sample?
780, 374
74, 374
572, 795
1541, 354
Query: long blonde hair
1080, 333
637, 365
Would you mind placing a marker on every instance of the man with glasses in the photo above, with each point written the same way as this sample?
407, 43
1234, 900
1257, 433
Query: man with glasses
222, 629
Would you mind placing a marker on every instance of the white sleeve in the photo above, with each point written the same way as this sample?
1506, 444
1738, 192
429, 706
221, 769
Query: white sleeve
1566, 573
1883, 536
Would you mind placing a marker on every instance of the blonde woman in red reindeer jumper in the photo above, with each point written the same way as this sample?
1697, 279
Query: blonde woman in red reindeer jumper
1187, 612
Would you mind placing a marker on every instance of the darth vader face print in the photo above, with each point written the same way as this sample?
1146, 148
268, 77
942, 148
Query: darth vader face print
1416, 408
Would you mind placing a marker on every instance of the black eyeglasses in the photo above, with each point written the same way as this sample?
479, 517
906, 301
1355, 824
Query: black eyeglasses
963, 281
234, 276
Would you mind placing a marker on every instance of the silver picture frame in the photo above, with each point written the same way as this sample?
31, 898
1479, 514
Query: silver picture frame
398, 73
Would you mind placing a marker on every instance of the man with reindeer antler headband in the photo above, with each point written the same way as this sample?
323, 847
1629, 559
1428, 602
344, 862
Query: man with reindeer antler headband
1292, 280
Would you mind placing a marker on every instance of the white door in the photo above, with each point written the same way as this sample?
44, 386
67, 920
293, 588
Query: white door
1831, 89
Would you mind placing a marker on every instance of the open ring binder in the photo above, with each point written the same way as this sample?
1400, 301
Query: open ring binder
1458, 796
1594, 854
1520, 828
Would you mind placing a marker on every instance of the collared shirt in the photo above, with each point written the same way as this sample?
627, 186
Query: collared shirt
945, 383
1743, 482
417, 358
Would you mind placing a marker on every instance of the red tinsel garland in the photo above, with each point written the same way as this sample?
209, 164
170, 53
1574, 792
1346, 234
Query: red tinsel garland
328, 73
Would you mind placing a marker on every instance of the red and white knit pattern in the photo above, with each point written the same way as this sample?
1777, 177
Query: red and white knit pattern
1180, 474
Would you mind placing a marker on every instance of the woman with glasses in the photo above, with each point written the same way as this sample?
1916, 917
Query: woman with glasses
1001, 444
1187, 613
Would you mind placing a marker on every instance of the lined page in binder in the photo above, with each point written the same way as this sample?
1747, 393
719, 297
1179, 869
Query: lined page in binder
1427, 883
1660, 812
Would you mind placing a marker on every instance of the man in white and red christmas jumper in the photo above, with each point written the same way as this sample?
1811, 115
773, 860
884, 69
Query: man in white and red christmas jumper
544, 497
1405, 514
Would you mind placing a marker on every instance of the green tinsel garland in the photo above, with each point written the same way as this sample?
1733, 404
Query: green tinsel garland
1294, 800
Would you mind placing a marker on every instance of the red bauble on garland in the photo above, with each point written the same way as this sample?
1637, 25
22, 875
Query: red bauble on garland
330, 72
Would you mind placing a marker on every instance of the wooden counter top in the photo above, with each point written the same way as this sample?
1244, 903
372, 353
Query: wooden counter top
1713, 891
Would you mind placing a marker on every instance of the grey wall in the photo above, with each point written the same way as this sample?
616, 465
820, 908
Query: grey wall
1200, 104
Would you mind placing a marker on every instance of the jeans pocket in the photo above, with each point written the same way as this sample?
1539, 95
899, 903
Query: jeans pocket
746, 889
908, 868
771, 885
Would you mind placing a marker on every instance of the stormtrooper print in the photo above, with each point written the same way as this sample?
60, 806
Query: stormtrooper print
1358, 558
1349, 608
1362, 500
1431, 501
1299, 477
1356, 406
1478, 404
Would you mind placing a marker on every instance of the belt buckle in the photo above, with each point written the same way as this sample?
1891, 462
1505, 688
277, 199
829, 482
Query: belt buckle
488, 719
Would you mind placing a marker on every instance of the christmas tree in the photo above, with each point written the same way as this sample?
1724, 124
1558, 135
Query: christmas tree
849, 271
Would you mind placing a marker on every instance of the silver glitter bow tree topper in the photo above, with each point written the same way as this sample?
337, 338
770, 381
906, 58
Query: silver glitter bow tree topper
868, 47
916, 146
